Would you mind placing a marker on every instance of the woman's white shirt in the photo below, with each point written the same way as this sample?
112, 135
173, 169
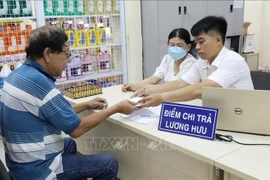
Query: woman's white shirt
166, 68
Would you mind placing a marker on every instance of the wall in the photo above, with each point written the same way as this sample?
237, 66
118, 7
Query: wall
265, 34
253, 14
133, 40
256, 11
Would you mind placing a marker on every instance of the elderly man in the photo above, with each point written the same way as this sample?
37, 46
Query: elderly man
33, 113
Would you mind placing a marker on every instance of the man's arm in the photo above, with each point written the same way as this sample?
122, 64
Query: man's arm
190, 92
168, 86
97, 103
155, 89
91, 121
184, 94
79, 107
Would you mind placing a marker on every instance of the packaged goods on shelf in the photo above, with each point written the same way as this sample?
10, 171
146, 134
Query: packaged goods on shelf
83, 91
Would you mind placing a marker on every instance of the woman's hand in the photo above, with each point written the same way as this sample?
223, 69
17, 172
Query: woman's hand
131, 87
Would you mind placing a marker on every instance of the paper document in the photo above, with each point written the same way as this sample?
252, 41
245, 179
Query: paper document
144, 115
136, 99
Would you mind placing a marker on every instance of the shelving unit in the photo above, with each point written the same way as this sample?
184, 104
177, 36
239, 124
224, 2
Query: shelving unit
15, 28
101, 62
117, 15
93, 77
98, 46
106, 59
11, 19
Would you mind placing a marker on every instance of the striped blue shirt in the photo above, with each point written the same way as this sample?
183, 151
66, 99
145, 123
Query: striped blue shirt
32, 115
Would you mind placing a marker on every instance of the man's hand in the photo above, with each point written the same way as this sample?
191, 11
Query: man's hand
140, 93
151, 100
126, 107
97, 103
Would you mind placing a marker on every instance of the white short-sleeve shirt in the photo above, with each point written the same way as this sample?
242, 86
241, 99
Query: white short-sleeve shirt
229, 70
166, 68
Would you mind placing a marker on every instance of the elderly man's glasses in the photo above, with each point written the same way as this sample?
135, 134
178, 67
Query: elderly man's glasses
68, 53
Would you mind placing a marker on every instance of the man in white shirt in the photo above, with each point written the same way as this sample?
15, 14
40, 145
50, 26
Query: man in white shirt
218, 67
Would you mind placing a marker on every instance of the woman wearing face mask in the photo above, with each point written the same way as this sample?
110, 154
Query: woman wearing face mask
174, 64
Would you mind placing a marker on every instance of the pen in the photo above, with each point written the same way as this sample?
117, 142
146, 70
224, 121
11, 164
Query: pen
148, 115
141, 91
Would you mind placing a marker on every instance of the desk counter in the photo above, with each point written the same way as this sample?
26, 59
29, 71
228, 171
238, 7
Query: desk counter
249, 162
174, 156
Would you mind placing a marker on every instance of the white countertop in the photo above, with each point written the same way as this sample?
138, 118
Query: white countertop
249, 162
204, 150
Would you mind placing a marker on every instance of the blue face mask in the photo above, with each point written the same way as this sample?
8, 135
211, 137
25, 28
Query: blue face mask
177, 53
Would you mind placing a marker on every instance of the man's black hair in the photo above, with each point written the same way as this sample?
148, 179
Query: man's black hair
216, 24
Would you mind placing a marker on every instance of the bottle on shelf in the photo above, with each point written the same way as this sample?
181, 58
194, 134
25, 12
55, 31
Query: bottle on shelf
90, 7
87, 65
6, 38
5, 71
101, 36
112, 59
108, 6
106, 22
1, 62
4, 10
107, 59
78, 4
48, 7
26, 7
100, 7
17, 61
9, 61
107, 26
63, 76
69, 7
20, 39
91, 34
80, 36
95, 65
15, 8
74, 68
59, 8
115, 6
68, 28
91, 37
27, 32
23, 58
11, 38
111, 81
2, 44
104, 61
112, 65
